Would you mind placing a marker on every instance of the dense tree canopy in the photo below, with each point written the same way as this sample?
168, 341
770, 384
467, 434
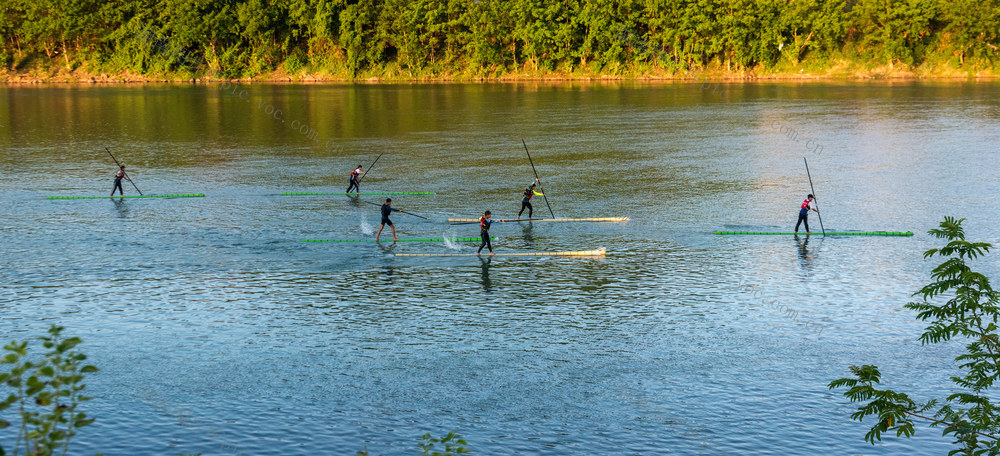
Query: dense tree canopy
243, 38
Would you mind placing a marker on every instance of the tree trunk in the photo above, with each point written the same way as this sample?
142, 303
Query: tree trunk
66, 55
801, 49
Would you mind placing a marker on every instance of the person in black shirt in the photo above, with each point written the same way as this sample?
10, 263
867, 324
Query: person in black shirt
387, 209
484, 231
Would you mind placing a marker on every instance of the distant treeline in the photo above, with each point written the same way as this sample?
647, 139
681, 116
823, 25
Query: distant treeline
491, 38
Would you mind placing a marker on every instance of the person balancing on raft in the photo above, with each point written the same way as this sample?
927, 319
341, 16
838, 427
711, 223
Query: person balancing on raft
484, 231
526, 199
804, 213
387, 209
118, 181
354, 180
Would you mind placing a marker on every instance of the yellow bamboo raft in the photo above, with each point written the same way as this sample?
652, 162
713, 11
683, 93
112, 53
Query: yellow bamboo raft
582, 253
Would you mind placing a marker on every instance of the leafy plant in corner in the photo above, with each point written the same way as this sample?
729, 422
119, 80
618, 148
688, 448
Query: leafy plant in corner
970, 313
453, 444
46, 393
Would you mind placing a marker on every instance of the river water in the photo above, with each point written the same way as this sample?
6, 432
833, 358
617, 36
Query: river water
218, 331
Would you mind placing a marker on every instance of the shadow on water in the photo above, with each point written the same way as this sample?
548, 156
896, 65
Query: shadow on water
806, 253
387, 247
121, 207
388, 274
528, 233
486, 263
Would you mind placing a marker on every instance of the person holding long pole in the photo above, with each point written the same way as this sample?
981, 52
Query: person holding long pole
118, 181
526, 199
815, 203
119, 176
387, 210
358, 175
354, 180
804, 213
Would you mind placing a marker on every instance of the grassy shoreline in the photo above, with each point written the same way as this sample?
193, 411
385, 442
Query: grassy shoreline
841, 70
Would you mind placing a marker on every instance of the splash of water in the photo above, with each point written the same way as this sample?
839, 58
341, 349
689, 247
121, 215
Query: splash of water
448, 242
366, 227
452, 244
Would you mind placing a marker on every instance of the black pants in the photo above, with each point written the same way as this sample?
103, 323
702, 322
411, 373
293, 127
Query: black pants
118, 186
526, 204
354, 185
803, 218
486, 241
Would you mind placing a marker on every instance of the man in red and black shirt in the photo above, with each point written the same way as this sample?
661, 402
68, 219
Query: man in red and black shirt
354, 180
118, 181
804, 213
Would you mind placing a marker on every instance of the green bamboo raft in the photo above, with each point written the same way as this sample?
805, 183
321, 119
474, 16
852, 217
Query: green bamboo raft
193, 195
400, 240
363, 193
846, 233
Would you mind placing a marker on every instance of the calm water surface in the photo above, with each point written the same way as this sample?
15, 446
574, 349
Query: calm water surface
271, 345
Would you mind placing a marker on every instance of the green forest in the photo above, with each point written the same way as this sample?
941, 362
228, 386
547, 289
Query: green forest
468, 39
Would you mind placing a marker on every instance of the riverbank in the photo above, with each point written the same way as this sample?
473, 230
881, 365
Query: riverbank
839, 70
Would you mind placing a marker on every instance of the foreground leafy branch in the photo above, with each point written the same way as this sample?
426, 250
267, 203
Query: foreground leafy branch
46, 393
453, 444
970, 313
